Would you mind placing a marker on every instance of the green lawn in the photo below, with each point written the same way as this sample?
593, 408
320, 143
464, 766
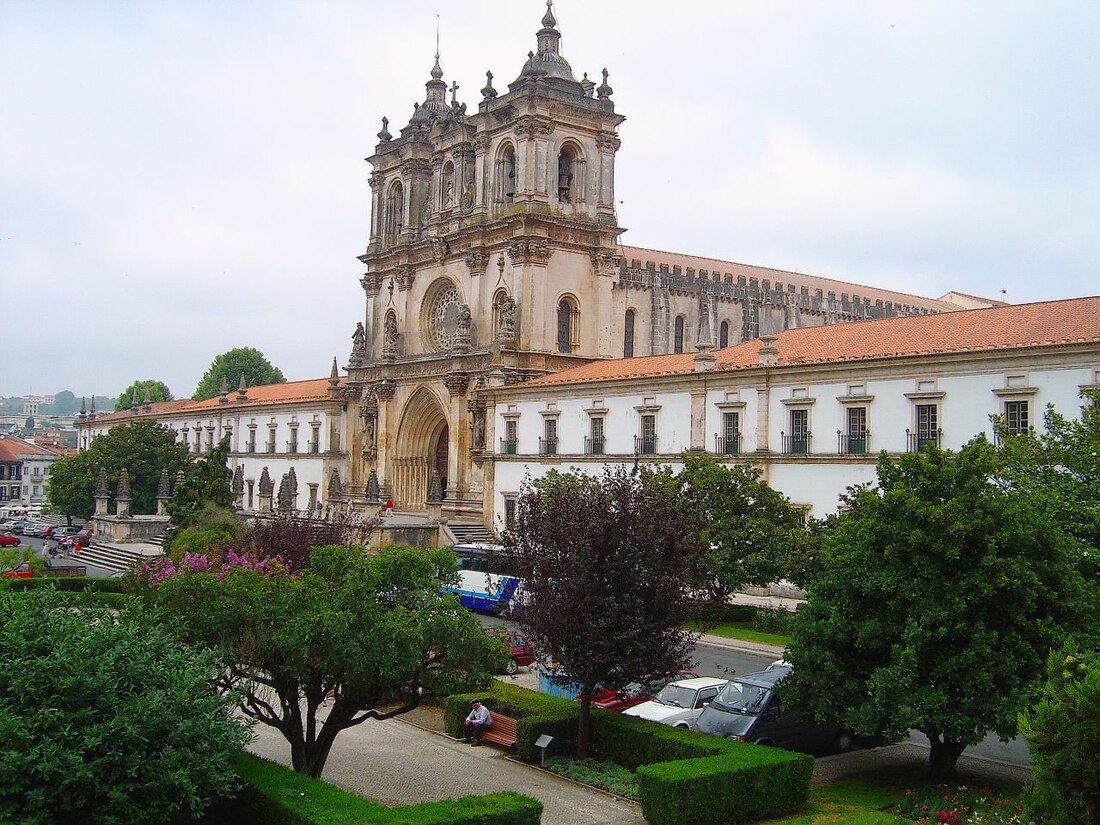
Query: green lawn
852, 802
745, 632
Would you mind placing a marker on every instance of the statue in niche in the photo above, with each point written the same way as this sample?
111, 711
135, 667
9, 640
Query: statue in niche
358, 343
507, 329
479, 429
369, 433
391, 330
449, 195
468, 195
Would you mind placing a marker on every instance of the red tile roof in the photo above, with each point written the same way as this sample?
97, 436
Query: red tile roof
266, 395
13, 448
1009, 327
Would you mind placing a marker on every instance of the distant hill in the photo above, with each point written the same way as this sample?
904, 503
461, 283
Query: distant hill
65, 403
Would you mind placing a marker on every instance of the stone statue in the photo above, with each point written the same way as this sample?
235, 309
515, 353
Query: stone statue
389, 337
507, 329
369, 434
468, 195
479, 429
449, 195
358, 344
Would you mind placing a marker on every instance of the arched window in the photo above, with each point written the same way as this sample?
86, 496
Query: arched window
724, 335
678, 334
395, 210
447, 186
568, 325
506, 173
628, 334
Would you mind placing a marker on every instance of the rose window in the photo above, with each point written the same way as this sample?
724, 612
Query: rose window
443, 322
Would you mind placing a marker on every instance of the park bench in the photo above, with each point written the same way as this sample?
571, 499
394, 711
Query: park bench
502, 733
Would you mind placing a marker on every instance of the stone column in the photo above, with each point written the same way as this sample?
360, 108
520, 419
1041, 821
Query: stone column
164, 493
267, 487
101, 494
385, 390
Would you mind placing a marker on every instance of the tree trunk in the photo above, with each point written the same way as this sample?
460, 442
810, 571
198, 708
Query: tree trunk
584, 723
943, 755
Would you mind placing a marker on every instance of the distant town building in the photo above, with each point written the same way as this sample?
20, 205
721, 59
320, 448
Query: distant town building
24, 470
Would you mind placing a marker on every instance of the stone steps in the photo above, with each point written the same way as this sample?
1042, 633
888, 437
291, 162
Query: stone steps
470, 533
110, 557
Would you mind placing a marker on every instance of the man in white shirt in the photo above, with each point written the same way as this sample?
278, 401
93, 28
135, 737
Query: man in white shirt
477, 722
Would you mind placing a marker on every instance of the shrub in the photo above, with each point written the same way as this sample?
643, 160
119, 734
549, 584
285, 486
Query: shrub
774, 620
68, 584
213, 528
749, 782
535, 714
633, 742
604, 775
710, 613
105, 718
276, 795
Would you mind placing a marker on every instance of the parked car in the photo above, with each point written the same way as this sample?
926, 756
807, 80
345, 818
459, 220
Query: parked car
635, 693
748, 709
40, 531
20, 527
679, 703
23, 571
7, 540
83, 536
62, 532
518, 645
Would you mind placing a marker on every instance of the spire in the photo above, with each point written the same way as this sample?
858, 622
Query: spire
549, 38
548, 19
334, 380
435, 102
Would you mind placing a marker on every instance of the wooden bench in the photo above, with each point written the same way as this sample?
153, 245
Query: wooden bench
502, 733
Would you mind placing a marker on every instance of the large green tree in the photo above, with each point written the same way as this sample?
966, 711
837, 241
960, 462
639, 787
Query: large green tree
934, 603
751, 532
144, 448
1063, 737
230, 366
105, 717
135, 393
609, 565
372, 630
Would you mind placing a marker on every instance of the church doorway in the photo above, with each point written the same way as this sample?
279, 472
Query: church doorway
422, 444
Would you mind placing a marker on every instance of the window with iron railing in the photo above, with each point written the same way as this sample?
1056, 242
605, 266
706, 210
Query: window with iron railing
508, 446
594, 445
646, 442
315, 440
928, 433
854, 441
728, 441
548, 446
798, 442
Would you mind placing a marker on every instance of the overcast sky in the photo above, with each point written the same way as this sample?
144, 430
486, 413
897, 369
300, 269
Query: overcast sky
179, 178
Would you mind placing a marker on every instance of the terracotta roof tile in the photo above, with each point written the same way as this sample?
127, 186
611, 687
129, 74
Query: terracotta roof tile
13, 448
798, 279
975, 330
265, 395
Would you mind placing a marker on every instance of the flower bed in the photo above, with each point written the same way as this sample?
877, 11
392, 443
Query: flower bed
958, 805
607, 776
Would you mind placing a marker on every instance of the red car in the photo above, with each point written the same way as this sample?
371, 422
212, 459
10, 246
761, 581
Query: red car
41, 531
636, 692
22, 572
9, 541
518, 645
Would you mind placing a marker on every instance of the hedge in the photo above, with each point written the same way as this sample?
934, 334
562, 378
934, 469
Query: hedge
633, 742
275, 795
749, 782
535, 714
71, 584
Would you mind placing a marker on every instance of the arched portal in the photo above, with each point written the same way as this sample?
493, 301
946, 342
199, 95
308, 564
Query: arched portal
423, 443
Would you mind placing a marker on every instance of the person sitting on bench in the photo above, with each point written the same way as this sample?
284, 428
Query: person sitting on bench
477, 722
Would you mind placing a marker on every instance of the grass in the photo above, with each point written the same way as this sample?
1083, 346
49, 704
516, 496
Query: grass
744, 632
606, 776
851, 802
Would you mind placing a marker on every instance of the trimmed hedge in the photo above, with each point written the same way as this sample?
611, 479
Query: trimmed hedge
749, 782
70, 584
275, 795
719, 614
535, 714
633, 742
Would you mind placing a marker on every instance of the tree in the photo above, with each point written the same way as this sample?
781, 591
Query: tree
751, 533
936, 599
135, 394
230, 366
608, 565
372, 631
106, 718
206, 481
1063, 739
145, 448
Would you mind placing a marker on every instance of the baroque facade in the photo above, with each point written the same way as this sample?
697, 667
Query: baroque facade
494, 257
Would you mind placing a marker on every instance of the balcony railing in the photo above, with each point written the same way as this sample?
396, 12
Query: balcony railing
853, 443
796, 444
314, 447
508, 446
548, 446
728, 445
645, 445
251, 446
292, 446
593, 446
269, 447
921, 440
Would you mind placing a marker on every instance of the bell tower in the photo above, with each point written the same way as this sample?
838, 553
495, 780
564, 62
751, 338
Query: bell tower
491, 257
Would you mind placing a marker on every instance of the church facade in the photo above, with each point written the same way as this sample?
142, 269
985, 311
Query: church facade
494, 257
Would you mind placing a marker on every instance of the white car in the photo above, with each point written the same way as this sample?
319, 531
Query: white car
679, 703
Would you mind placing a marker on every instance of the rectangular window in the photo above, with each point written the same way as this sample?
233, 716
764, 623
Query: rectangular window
1016, 417
596, 442
315, 439
210, 439
251, 487
292, 445
729, 442
928, 432
799, 440
550, 440
251, 440
509, 514
271, 439
857, 431
648, 440
509, 444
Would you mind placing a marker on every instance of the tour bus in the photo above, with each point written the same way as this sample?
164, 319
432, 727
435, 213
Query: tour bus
485, 583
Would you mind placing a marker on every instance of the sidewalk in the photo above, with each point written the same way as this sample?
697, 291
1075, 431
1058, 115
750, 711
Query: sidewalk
395, 763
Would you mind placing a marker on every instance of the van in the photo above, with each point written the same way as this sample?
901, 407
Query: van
748, 709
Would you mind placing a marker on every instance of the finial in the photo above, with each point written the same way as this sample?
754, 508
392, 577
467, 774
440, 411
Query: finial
454, 92
548, 19
241, 385
385, 135
604, 91
488, 92
145, 402
335, 374
437, 72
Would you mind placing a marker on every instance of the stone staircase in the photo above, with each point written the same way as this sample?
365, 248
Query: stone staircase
470, 533
111, 557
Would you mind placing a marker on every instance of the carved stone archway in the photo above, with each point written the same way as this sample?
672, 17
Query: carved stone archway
423, 425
